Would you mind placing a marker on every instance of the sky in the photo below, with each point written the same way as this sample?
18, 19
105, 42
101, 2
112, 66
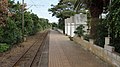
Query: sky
40, 7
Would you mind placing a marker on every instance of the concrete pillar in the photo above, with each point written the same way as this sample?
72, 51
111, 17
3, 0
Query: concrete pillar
106, 46
107, 40
91, 41
82, 37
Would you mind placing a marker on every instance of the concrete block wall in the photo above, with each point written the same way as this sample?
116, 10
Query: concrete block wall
110, 57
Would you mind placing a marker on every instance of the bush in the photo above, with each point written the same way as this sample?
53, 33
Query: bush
101, 33
4, 47
12, 34
113, 20
79, 30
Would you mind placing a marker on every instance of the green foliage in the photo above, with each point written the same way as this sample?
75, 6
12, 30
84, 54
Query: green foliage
36, 23
102, 32
63, 10
113, 19
12, 32
79, 31
4, 47
28, 24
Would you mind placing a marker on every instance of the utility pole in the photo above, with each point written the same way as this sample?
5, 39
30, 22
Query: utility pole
23, 17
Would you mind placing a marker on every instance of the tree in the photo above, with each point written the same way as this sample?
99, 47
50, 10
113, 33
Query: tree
11, 24
11, 32
96, 8
62, 11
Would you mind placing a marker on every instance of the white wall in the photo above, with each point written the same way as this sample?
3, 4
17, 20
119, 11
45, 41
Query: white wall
72, 29
66, 26
73, 22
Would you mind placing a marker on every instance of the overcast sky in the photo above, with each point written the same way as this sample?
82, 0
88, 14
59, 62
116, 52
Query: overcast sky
40, 7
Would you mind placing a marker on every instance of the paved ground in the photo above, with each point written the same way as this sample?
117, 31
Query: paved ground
65, 53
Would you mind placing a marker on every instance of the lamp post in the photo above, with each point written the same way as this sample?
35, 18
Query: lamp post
23, 31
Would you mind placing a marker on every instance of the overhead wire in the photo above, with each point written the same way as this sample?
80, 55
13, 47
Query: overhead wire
37, 7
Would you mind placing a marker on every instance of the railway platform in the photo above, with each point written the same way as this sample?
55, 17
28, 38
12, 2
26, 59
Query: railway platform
50, 49
66, 53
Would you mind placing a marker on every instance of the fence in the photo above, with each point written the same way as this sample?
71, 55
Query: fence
106, 55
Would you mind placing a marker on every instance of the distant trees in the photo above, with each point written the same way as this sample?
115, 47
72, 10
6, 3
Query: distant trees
54, 24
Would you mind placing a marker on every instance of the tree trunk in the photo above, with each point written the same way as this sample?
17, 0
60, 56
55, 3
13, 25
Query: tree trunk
93, 30
62, 24
95, 10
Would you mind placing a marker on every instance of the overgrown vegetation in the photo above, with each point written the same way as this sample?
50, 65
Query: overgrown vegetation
113, 19
100, 27
11, 32
111, 23
101, 33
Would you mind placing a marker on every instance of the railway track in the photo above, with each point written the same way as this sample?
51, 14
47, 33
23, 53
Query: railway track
28, 58
30, 55
41, 59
